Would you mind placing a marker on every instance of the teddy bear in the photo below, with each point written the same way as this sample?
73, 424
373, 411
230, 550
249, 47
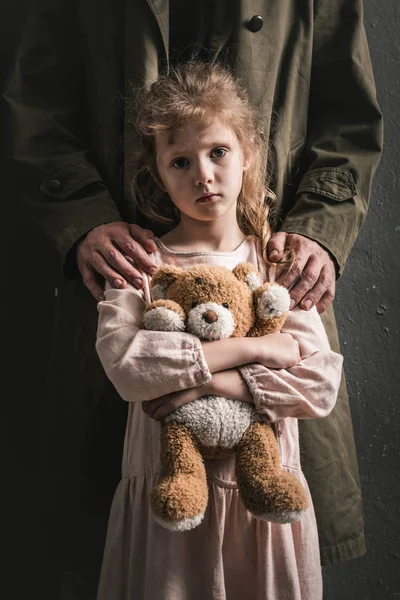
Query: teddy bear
214, 303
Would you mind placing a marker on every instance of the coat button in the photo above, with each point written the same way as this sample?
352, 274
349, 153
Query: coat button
54, 185
255, 24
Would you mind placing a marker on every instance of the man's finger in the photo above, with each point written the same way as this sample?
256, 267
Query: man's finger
114, 278
315, 294
326, 299
276, 246
290, 277
144, 237
90, 281
136, 253
122, 265
305, 282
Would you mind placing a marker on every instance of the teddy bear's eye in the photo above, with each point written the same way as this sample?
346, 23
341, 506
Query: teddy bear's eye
194, 304
198, 280
225, 305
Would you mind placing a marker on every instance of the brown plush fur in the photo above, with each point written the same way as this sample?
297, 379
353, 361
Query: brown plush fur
262, 327
168, 304
264, 486
205, 283
181, 492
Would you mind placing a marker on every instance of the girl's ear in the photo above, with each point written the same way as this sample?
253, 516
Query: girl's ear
247, 155
246, 162
162, 279
249, 274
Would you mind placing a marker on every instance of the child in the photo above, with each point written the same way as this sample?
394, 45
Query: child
201, 169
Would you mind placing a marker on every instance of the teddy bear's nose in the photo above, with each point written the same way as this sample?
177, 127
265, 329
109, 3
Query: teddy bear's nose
210, 316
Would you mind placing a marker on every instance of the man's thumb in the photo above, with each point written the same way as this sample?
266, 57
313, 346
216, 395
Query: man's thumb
276, 246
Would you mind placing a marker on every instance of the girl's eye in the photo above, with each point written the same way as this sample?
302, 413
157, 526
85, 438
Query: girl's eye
180, 163
225, 305
218, 152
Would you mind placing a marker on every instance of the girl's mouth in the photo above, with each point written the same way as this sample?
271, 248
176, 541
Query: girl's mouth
208, 198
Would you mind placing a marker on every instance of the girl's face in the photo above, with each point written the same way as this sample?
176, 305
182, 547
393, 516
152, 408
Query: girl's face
201, 168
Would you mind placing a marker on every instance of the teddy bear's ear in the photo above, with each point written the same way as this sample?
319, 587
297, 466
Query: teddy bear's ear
248, 274
162, 279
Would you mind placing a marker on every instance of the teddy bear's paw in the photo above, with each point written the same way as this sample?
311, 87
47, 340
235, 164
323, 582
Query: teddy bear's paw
273, 302
179, 501
277, 497
183, 525
162, 318
280, 517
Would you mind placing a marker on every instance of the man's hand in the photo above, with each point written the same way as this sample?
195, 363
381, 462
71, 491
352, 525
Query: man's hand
312, 274
107, 250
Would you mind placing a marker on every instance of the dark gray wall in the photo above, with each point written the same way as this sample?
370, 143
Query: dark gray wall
367, 305
368, 318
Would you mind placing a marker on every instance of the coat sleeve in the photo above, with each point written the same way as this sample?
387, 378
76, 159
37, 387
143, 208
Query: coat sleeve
61, 188
306, 391
344, 132
141, 364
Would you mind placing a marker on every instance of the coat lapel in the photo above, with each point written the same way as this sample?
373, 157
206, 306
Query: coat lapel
160, 10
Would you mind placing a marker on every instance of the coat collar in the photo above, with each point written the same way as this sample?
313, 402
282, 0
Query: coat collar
160, 10
221, 28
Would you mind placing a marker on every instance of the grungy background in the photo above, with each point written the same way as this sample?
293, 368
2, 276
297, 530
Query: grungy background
368, 312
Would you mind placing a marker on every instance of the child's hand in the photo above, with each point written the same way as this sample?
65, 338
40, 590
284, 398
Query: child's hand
277, 351
161, 407
225, 383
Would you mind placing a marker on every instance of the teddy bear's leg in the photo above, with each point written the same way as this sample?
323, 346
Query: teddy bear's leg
267, 491
180, 497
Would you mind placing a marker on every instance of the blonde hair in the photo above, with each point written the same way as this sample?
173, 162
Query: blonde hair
197, 93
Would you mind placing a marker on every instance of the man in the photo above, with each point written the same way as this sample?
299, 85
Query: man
306, 65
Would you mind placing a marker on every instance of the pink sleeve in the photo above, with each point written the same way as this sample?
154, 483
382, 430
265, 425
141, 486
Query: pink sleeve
306, 391
141, 364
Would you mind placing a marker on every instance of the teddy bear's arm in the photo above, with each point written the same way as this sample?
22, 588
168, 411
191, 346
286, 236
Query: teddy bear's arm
164, 315
144, 365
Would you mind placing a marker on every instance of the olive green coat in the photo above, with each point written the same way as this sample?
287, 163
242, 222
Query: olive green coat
308, 65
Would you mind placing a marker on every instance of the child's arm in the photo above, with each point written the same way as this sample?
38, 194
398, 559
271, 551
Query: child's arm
144, 365
224, 383
276, 351
228, 383
307, 390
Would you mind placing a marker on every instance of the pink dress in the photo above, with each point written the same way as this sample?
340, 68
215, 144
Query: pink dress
230, 555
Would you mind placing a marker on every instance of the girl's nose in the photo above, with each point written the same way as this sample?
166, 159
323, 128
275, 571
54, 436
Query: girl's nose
204, 175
